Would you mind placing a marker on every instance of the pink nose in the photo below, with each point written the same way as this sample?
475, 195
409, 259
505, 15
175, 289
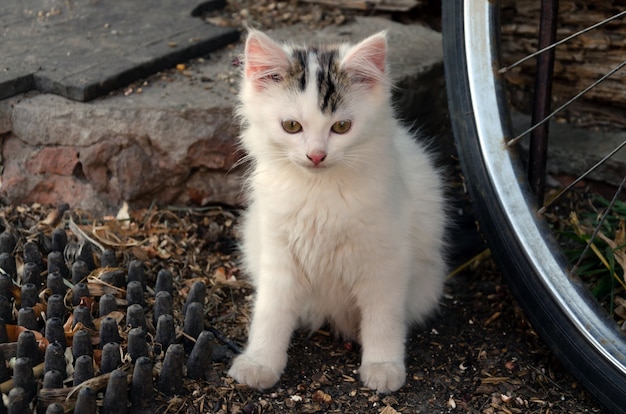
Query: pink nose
316, 157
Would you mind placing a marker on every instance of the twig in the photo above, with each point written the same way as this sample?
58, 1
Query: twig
222, 338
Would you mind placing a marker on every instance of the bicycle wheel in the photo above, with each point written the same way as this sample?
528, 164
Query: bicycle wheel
559, 307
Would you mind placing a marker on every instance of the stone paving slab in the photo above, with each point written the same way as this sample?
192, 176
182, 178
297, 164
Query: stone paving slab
83, 49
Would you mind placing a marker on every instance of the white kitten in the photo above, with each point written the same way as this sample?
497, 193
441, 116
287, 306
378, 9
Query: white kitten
346, 216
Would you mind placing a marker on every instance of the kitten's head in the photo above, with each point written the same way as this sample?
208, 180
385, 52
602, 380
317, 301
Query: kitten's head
314, 107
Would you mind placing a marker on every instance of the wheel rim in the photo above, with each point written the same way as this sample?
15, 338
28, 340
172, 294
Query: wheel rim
503, 168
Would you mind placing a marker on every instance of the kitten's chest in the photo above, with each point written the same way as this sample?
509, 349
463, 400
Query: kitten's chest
325, 230
330, 229
326, 220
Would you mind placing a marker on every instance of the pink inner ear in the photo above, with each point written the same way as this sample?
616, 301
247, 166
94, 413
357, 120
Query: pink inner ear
367, 59
376, 52
263, 57
254, 51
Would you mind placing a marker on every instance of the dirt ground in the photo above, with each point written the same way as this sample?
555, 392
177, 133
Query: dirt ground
477, 354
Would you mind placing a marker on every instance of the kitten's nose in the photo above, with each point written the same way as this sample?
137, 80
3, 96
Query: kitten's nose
316, 157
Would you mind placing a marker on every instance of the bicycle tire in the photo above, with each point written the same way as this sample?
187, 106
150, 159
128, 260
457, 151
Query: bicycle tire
559, 307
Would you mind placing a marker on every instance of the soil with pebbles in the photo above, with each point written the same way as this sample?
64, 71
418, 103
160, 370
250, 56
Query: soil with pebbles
478, 354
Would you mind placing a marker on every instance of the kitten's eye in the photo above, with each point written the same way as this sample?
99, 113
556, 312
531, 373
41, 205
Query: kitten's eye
292, 127
341, 127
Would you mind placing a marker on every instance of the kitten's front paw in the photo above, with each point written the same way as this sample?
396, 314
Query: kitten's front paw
383, 376
247, 371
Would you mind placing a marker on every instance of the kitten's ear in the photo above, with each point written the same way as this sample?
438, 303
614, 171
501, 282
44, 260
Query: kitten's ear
265, 60
367, 60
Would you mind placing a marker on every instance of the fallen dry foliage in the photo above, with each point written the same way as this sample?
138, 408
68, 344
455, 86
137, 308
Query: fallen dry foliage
478, 354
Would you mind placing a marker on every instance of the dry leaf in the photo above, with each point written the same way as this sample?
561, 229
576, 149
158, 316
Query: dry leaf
54, 217
494, 380
321, 396
621, 261
618, 245
117, 315
123, 213
82, 232
389, 410
13, 331
620, 311
143, 253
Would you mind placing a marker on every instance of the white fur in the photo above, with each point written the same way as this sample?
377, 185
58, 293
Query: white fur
357, 243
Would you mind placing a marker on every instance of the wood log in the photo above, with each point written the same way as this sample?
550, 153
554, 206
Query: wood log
579, 62
369, 5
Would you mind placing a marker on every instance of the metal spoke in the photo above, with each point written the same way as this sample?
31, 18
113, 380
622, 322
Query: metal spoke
566, 104
581, 177
564, 40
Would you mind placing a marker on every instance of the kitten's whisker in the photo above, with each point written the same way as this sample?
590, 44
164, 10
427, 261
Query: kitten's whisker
243, 160
355, 157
